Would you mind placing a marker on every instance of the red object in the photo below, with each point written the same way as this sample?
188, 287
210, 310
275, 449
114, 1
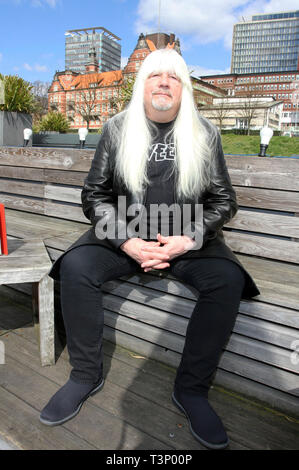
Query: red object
3, 237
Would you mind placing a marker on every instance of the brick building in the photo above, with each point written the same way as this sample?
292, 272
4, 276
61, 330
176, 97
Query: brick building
282, 86
88, 99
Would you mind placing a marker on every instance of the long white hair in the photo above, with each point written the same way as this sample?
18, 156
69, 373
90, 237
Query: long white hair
194, 140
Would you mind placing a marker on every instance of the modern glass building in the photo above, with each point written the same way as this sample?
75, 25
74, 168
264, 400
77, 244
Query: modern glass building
78, 43
267, 43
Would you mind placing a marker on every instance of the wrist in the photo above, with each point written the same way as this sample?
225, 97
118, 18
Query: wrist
189, 243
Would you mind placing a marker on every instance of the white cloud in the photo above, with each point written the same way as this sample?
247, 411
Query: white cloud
41, 68
27, 67
202, 21
41, 3
1, 56
35, 68
124, 61
198, 71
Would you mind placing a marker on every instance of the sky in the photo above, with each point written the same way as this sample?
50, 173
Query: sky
32, 39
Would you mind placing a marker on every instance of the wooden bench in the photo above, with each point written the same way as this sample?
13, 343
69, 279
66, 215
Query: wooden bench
146, 313
28, 262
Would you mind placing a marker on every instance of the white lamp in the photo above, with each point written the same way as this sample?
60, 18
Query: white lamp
27, 134
266, 133
82, 136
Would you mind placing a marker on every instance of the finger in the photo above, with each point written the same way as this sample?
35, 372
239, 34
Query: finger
150, 254
158, 266
150, 263
154, 256
154, 249
161, 238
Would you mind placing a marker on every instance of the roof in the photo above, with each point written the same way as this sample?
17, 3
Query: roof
103, 79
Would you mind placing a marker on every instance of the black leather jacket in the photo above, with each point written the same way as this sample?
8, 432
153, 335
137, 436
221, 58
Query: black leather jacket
100, 195
102, 189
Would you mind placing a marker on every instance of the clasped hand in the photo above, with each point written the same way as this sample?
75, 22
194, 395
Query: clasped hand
157, 255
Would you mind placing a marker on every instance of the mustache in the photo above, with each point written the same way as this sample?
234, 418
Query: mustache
165, 92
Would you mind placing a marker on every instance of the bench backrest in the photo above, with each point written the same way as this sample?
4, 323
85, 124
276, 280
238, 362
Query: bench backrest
49, 181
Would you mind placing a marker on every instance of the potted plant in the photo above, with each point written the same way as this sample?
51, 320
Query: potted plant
15, 107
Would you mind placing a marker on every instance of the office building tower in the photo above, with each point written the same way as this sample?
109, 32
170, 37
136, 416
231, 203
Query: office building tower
79, 43
267, 43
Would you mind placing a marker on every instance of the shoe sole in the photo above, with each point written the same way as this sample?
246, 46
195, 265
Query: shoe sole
202, 441
61, 421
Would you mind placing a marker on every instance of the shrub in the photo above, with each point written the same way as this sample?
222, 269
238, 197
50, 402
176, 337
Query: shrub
54, 122
17, 95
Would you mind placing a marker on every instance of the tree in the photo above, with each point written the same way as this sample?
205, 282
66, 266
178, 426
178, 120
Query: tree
54, 122
125, 91
248, 110
40, 93
220, 111
87, 107
17, 94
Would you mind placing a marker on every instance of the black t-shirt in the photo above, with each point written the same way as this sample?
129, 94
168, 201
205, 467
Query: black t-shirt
161, 174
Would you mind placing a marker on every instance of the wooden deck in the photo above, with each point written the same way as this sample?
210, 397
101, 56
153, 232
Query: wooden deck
134, 410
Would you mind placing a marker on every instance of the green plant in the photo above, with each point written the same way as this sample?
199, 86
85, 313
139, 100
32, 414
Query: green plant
17, 94
54, 122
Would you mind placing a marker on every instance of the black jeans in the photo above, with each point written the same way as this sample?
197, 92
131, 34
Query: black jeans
219, 282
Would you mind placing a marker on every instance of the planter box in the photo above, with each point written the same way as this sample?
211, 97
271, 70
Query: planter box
12, 125
67, 140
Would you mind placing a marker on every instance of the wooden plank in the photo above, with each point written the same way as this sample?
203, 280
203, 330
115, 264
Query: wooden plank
75, 178
282, 404
274, 249
22, 428
65, 211
45, 303
22, 204
62, 193
94, 428
35, 157
27, 261
143, 378
147, 423
268, 276
35, 189
264, 353
273, 313
38, 220
266, 374
274, 224
32, 174
262, 373
268, 199
183, 307
272, 173
256, 332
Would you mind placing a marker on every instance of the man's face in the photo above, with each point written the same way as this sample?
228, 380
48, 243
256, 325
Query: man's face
162, 96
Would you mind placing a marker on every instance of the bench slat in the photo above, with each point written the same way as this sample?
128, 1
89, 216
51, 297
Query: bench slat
62, 193
15, 172
22, 188
272, 173
275, 377
268, 199
35, 157
281, 225
273, 248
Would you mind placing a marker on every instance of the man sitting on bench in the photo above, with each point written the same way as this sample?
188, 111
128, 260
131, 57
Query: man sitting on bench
158, 151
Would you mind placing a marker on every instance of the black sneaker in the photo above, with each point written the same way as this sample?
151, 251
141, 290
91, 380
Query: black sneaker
67, 402
205, 424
